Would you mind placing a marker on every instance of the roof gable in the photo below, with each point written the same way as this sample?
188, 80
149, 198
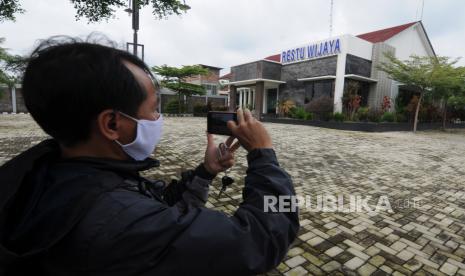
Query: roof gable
226, 77
276, 58
384, 34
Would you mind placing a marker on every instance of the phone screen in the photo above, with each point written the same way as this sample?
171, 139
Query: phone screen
217, 122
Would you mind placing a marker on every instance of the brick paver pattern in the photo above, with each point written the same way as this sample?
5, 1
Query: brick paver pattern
427, 168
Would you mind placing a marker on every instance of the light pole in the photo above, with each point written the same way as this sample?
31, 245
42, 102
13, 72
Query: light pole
134, 10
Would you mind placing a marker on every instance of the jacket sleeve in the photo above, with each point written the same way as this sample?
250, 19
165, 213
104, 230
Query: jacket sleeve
143, 238
191, 190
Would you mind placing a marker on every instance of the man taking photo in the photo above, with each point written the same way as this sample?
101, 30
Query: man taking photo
75, 204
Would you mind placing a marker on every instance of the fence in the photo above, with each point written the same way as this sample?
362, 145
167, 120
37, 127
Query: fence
11, 100
192, 101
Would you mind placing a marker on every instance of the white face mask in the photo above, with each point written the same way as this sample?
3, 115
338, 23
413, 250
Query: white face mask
148, 135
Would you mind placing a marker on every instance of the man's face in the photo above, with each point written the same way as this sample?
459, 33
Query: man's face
147, 110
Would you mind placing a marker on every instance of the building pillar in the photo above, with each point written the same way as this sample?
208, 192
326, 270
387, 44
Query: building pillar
232, 98
339, 82
247, 98
259, 96
241, 97
250, 99
253, 99
13, 98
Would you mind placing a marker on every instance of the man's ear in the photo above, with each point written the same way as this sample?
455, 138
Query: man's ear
107, 124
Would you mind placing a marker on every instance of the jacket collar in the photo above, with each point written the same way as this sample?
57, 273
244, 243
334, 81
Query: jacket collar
126, 166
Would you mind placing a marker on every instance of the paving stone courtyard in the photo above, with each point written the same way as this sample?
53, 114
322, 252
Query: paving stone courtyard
422, 175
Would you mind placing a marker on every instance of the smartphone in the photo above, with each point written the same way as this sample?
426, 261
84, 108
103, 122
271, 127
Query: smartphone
217, 122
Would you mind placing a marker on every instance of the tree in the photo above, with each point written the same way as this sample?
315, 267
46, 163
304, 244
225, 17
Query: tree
11, 67
457, 102
3, 59
8, 9
97, 10
175, 79
428, 74
449, 84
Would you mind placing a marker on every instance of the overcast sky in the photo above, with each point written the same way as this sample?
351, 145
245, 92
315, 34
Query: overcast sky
229, 32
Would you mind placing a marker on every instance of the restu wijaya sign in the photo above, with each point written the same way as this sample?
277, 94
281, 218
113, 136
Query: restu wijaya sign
314, 50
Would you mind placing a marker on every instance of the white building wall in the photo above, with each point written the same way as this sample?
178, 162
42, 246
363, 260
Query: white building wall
354, 46
358, 47
411, 41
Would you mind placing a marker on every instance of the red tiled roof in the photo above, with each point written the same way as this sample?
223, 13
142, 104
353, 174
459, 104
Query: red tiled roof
276, 58
226, 77
384, 34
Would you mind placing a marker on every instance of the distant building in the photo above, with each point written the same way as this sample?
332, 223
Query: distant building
224, 84
324, 68
211, 83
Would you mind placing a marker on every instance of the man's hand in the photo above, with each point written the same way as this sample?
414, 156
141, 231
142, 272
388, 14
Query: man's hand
215, 164
250, 132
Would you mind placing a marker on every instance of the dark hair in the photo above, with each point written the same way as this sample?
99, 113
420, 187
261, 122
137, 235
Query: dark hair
68, 82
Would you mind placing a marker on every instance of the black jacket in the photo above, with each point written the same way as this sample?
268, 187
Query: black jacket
88, 216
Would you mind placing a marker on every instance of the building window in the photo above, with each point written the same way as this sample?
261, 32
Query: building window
211, 89
317, 89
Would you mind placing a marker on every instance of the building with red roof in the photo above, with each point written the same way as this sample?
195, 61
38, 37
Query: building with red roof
327, 68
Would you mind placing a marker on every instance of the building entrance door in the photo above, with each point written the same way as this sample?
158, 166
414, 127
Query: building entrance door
271, 100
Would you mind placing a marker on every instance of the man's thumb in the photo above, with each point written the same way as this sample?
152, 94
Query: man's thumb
231, 125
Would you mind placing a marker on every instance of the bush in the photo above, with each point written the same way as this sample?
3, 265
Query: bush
220, 108
172, 107
292, 112
429, 113
362, 113
284, 107
297, 112
200, 109
300, 113
401, 117
388, 117
338, 117
322, 108
374, 116
309, 116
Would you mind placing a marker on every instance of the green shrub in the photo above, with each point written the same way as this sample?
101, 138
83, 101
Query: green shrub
338, 117
362, 113
388, 117
309, 116
401, 117
172, 107
200, 109
321, 108
295, 112
374, 116
300, 113
292, 112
